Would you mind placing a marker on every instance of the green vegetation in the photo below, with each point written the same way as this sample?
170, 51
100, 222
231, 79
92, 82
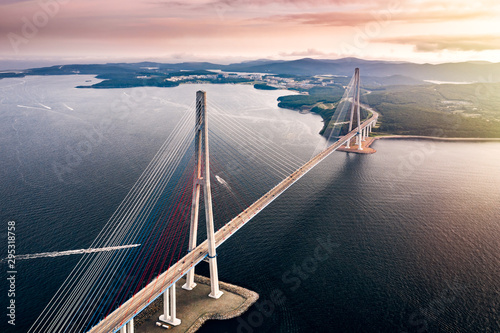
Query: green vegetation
132, 82
264, 86
320, 100
314, 95
447, 110
469, 110
159, 79
10, 75
407, 105
185, 73
222, 80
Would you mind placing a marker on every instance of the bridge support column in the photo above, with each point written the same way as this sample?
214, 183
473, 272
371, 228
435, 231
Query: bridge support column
202, 178
128, 327
197, 184
207, 194
359, 139
169, 315
358, 85
195, 207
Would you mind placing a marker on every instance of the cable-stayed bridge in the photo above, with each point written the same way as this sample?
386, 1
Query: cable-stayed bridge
106, 290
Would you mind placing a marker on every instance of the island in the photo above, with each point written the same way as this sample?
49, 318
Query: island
408, 104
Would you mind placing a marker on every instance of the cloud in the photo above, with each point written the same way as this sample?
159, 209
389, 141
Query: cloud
6, 2
253, 8
357, 18
306, 53
451, 43
299, 3
247, 3
290, 28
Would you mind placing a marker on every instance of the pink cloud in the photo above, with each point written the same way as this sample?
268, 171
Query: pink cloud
307, 53
225, 26
440, 43
357, 18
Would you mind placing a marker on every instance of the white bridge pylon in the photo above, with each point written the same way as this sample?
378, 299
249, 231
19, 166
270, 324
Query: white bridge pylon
362, 133
201, 179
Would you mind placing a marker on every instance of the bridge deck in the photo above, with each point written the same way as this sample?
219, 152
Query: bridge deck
154, 289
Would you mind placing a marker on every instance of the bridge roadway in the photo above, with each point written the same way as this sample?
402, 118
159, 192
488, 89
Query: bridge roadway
128, 310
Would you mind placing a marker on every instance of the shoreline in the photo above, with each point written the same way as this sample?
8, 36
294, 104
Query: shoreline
435, 138
194, 308
250, 298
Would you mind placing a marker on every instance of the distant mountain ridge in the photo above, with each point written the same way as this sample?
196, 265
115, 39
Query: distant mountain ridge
465, 71
461, 72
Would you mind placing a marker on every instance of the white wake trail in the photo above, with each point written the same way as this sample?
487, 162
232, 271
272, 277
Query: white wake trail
222, 181
225, 184
29, 107
70, 252
45, 106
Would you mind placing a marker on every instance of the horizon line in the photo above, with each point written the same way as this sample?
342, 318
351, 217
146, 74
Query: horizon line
65, 62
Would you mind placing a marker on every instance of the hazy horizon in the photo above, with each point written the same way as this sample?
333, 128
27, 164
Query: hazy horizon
228, 31
12, 65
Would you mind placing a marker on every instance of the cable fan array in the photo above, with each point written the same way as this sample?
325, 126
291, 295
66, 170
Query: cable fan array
338, 125
156, 214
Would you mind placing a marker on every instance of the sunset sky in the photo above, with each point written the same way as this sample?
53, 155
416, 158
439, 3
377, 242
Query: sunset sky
235, 30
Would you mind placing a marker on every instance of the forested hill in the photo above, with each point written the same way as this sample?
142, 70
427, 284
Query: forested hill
465, 71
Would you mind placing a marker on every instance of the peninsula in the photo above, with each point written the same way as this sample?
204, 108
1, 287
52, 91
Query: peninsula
445, 100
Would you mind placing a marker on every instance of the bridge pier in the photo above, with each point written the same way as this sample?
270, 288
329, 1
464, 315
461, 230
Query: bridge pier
128, 327
359, 139
362, 134
169, 315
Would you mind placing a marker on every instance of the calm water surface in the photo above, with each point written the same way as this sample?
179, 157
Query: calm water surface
404, 240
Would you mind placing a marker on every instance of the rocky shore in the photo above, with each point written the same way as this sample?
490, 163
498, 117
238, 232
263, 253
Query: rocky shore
152, 311
437, 138
250, 298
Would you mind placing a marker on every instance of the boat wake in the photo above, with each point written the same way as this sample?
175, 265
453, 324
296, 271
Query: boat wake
71, 252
